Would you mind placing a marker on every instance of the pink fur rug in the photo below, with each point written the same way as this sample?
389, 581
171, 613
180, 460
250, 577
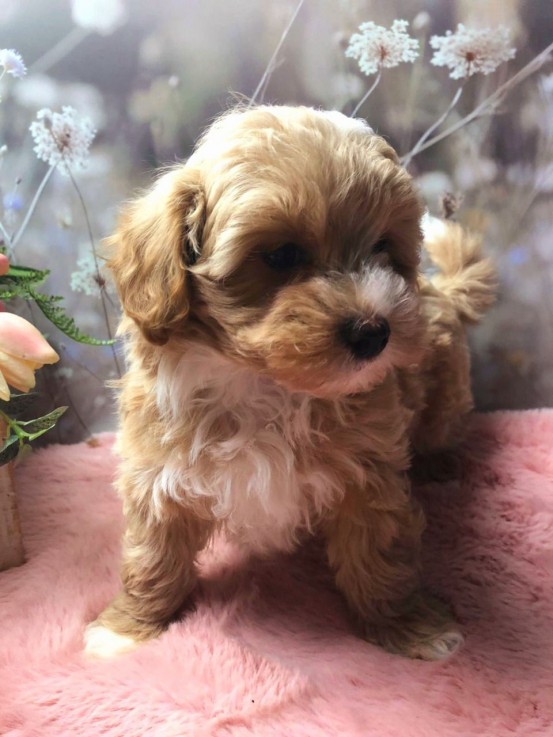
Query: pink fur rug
269, 648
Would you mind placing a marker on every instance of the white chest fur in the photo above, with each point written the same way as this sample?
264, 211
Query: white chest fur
242, 442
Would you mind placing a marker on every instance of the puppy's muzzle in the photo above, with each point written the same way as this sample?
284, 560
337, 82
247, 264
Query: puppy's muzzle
365, 340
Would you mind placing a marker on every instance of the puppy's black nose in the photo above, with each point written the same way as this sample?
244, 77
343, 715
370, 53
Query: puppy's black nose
365, 340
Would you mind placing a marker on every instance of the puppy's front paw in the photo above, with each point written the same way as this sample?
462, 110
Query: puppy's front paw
424, 629
439, 646
101, 642
118, 630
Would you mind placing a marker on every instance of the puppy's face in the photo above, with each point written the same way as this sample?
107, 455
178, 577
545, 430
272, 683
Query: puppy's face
288, 241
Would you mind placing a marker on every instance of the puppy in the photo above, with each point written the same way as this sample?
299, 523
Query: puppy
285, 361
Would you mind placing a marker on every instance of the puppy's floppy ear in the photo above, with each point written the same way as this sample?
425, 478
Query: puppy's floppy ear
158, 238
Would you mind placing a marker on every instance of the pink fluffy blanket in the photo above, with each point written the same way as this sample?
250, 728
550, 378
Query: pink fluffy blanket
269, 648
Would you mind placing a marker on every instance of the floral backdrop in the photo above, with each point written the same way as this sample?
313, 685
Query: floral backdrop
95, 94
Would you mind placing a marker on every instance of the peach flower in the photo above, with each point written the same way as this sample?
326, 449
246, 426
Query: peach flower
23, 350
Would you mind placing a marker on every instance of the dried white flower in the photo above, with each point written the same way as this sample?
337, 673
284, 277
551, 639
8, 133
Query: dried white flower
546, 85
62, 138
474, 172
539, 178
377, 47
102, 16
344, 87
422, 21
12, 204
85, 279
471, 51
65, 372
12, 63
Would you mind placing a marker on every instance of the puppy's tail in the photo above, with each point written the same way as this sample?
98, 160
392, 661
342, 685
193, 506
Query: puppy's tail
466, 278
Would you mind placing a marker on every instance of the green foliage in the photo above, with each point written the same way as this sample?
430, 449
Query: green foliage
64, 322
20, 281
9, 450
33, 429
21, 433
22, 274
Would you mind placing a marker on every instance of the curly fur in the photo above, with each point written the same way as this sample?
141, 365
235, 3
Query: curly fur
245, 409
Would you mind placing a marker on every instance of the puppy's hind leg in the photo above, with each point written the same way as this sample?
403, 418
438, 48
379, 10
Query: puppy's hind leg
375, 556
158, 574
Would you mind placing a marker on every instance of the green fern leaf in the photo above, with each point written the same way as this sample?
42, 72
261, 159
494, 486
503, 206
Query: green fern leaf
15, 290
26, 274
62, 320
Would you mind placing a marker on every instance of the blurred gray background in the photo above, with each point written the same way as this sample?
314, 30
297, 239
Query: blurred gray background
153, 78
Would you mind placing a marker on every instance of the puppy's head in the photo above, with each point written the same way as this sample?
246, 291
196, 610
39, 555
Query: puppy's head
289, 241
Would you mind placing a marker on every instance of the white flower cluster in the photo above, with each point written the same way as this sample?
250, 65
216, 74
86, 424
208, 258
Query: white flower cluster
62, 138
102, 16
85, 278
377, 47
12, 63
472, 51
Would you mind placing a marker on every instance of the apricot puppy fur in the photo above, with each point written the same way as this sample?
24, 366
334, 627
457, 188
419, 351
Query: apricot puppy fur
286, 359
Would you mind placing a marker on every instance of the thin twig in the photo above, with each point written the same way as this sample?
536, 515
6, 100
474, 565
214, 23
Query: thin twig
494, 99
108, 296
16, 238
95, 256
5, 235
414, 84
367, 94
274, 67
543, 154
71, 403
80, 364
58, 52
271, 65
416, 148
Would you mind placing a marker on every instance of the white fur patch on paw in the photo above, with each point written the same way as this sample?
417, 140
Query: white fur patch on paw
443, 646
101, 642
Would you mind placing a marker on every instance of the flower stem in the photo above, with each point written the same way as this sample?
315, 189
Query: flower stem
367, 94
95, 256
32, 206
80, 420
5, 417
12, 424
58, 52
416, 148
80, 364
6, 236
494, 99
272, 61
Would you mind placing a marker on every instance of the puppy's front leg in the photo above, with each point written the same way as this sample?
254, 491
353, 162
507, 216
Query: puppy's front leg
374, 552
157, 574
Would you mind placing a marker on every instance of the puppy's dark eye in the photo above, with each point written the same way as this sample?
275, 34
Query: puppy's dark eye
381, 246
286, 257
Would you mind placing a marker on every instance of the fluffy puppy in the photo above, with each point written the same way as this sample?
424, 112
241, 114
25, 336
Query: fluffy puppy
285, 360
